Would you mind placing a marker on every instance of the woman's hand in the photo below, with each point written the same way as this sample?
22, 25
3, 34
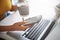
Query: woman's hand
20, 26
15, 27
14, 8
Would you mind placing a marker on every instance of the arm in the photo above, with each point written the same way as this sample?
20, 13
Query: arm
16, 26
10, 28
6, 28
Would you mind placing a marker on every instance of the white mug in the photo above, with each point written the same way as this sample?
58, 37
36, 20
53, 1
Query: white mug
24, 10
57, 10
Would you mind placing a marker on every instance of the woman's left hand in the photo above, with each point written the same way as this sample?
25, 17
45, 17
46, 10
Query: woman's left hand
14, 8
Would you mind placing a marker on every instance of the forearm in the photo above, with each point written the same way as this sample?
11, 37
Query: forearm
9, 28
14, 27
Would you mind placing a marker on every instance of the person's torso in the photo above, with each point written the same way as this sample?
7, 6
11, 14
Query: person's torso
5, 5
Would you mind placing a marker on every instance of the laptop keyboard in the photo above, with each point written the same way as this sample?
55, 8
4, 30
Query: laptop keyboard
38, 29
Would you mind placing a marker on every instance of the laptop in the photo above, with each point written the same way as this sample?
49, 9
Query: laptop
40, 30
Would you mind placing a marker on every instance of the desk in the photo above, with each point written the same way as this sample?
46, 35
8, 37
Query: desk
54, 35
11, 19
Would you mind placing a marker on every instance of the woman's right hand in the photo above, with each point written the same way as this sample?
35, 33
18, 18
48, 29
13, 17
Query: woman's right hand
20, 26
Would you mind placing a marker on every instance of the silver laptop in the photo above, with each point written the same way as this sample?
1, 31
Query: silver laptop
40, 30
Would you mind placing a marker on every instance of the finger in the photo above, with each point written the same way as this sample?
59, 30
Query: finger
24, 27
20, 23
25, 22
27, 25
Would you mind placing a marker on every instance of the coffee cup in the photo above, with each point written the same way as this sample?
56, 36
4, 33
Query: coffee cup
57, 10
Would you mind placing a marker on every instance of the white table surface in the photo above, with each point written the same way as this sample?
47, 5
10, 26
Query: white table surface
13, 18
